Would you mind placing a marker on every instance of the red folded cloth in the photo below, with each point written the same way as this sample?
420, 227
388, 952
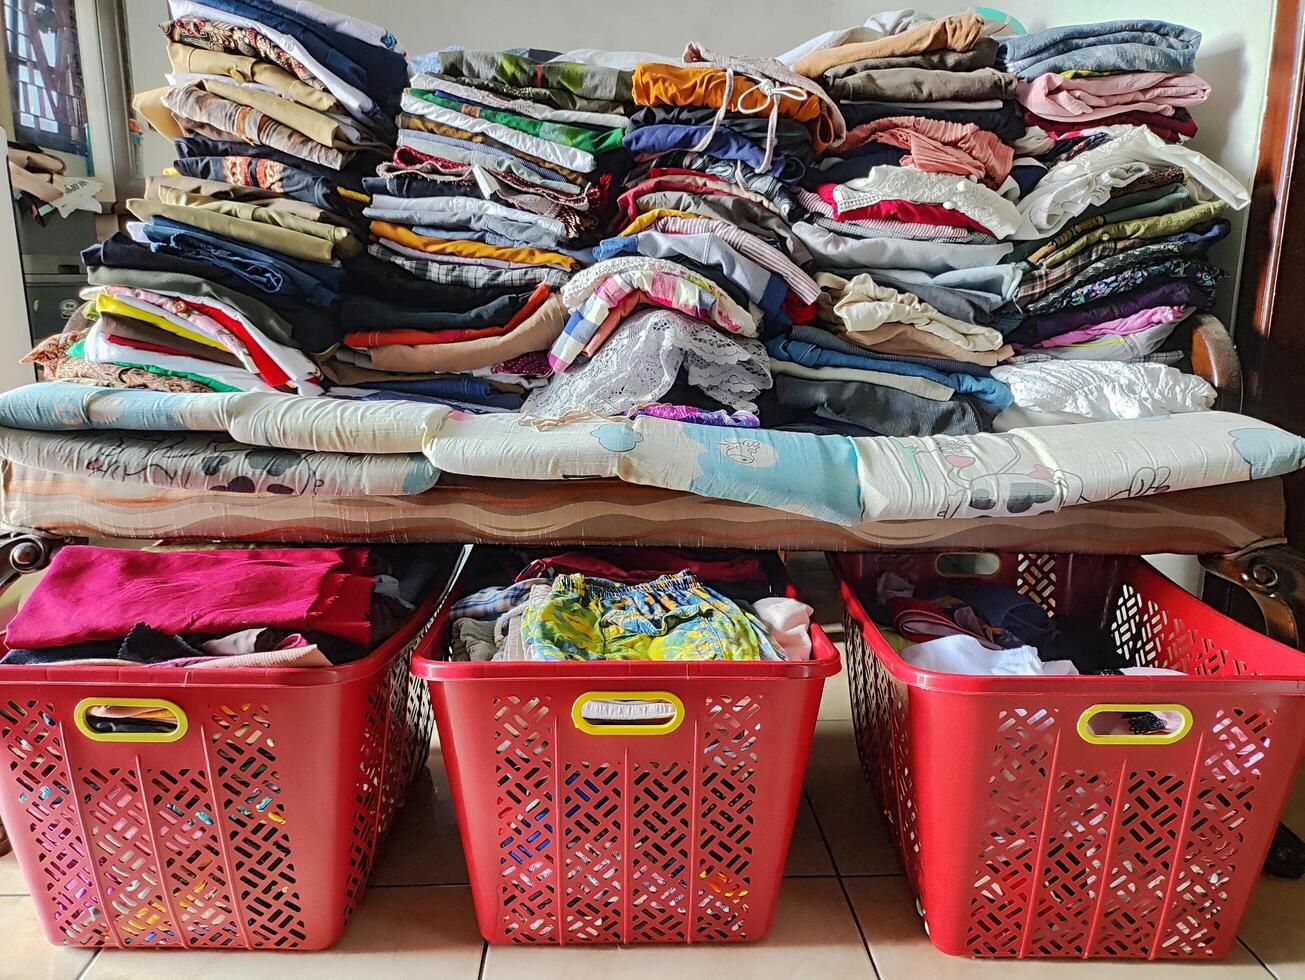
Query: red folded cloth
911, 212
384, 338
91, 593
1168, 128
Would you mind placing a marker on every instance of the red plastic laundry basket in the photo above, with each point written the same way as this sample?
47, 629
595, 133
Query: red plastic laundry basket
670, 831
1026, 834
252, 826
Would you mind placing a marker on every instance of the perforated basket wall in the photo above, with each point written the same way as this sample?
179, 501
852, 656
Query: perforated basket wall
1021, 838
572, 837
256, 830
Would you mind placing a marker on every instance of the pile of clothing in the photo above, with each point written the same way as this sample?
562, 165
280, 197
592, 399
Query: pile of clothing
632, 604
987, 629
914, 227
232, 276
671, 320
934, 220
1114, 245
262, 607
502, 180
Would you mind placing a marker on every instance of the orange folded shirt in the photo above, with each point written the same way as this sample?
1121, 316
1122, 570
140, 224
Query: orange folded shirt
677, 85
469, 249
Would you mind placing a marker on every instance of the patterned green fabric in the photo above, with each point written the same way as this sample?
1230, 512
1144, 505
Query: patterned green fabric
565, 84
578, 137
79, 350
674, 617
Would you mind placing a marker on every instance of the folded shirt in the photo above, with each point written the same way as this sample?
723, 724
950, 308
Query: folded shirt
1171, 292
1109, 46
958, 32
1056, 97
919, 85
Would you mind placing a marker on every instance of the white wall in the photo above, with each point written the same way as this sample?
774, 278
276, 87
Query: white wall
1233, 57
147, 61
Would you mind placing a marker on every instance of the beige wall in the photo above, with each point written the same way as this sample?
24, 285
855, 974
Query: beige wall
15, 341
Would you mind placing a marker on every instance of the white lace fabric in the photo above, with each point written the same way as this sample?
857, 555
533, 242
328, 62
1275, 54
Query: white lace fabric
640, 362
970, 198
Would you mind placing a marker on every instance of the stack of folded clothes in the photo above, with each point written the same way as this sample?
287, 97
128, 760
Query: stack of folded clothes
904, 221
670, 321
233, 275
1115, 236
503, 178
934, 226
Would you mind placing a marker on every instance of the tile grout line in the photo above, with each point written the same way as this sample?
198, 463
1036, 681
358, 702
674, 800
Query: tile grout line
89, 963
1256, 956
856, 920
875, 874
847, 899
820, 829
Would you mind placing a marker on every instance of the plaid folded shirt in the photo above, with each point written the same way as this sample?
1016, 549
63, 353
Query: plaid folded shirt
1106, 256
471, 276
491, 602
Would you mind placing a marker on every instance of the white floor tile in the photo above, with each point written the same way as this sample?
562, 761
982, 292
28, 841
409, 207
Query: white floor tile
424, 847
807, 854
901, 950
11, 877
24, 950
1274, 926
844, 805
814, 937
397, 932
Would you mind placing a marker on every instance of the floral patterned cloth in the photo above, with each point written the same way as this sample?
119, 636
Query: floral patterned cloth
201, 32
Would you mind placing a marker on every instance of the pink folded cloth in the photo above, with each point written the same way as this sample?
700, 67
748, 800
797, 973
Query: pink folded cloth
1079, 99
92, 593
1134, 323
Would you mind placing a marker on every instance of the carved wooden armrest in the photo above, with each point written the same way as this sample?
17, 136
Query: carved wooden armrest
1273, 573
1215, 359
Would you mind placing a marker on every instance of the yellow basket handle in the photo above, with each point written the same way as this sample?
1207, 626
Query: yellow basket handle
1159, 738
627, 712
86, 723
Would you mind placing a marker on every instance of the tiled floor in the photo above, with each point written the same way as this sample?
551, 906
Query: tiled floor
844, 911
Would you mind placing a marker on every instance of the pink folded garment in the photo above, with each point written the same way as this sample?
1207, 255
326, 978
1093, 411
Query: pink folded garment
1076, 99
92, 593
1134, 323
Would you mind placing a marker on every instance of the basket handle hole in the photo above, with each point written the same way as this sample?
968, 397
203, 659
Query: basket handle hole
627, 713
109, 719
1134, 724
967, 564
